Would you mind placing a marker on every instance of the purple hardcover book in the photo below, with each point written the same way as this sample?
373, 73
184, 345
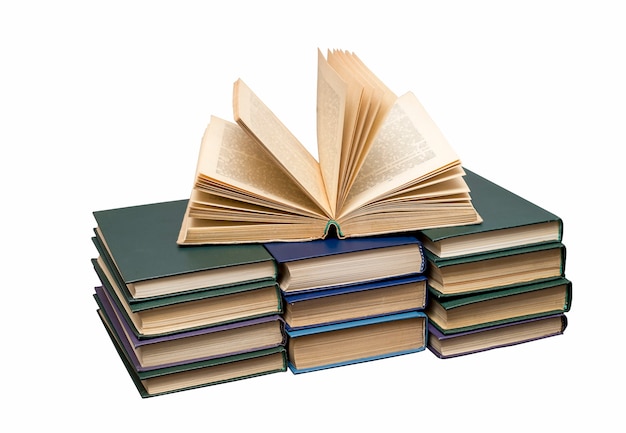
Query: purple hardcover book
130, 342
493, 337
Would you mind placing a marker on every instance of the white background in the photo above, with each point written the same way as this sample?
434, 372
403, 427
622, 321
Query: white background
103, 104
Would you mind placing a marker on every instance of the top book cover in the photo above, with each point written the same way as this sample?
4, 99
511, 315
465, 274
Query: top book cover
509, 221
141, 243
384, 167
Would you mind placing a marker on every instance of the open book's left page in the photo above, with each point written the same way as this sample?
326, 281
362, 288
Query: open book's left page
240, 191
233, 165
259, 121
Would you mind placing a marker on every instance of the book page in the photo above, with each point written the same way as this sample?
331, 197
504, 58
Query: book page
331, 107
232, 159
407, 148
369, 107
259, 121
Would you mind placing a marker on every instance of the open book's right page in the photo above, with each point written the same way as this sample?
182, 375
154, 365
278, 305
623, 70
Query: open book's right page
407, 149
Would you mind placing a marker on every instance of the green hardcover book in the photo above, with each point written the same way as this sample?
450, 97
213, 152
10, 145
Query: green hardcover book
192, 310
495, 269
509, 221
525, 301
198, 374
141, 243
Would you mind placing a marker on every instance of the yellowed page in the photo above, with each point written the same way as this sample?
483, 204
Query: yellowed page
356, 101
259, 121
407, 147
365, 111
331, 107
231, 160
385, 100
376, 101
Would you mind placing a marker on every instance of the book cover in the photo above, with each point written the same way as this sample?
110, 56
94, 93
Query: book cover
284, 252
357, 301
453, 315
508, 221
356, 341
497, 336
141, 242
203, 373
494, 269
319, 264
210, 342
106, 272
194, 310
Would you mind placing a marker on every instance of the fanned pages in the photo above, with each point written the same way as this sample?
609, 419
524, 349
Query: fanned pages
384, 167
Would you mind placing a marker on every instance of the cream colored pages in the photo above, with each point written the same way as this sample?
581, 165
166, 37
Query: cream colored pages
255, 117
408, 147
331, 106
357, 101
229, 156
373, 103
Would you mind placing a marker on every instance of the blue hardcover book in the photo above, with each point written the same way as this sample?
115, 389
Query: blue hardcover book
317, 264
328, 346
357, 301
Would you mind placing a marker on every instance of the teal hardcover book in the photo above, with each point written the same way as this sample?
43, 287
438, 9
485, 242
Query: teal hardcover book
193, 310
465, 313
509, 221
492, 270
140, 243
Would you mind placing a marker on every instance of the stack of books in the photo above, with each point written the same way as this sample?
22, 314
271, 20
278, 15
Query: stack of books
498, 283
182, 318
278, 261
352, 300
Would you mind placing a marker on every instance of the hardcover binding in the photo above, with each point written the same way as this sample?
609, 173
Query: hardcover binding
436, 333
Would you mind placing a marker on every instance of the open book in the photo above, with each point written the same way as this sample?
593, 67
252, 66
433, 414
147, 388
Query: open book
384, 167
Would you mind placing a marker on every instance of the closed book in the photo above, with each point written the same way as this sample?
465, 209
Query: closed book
509, 221
141, 243
495, 269
202, 373
190, 346
331, 262
358, 301
192, 310
464, 313
356, 341
497, 336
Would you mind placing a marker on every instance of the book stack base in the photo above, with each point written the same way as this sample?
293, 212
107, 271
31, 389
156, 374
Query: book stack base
183, 317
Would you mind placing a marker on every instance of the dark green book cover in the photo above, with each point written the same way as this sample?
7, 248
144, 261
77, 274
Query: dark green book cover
500, 209
141, 242
450, 303
440, 262
459, 301
196, 295
482, 261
